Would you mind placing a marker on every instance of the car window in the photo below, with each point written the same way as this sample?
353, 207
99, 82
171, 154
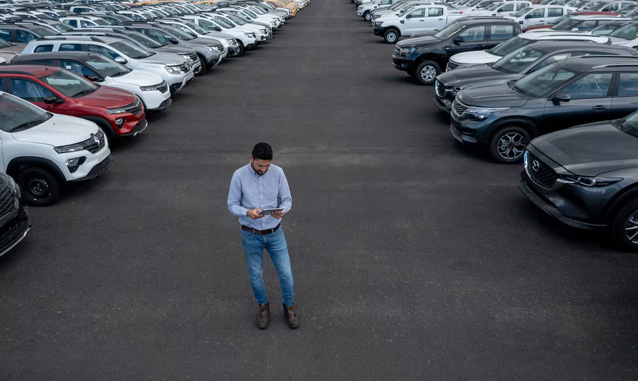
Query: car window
103, 51
628, 85
73, 23
24, 36
550, 60
554, 12
544, 81
70, 48
43, 48
594, 85
69, 84
520, 6
29, 90
77, 68
416, 13
5, 34
435, 12
536, 14
518, 60
626, 33
507, 8
501, 32
586, 26
475, 33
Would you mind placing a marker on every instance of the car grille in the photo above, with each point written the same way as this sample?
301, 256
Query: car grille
539, 172
193, 57
94, 146
451, 66
459, 108
8, 204
163, 87
134, 108
183, 67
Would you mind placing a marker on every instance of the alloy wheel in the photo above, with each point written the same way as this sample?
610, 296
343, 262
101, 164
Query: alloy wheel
511, 145
631, 228
428, 73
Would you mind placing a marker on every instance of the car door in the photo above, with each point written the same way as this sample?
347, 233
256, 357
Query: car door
472, 38
436, 18
505, 10
535, 17
413, 21
625, 99
590, 101
499, 33
553, 13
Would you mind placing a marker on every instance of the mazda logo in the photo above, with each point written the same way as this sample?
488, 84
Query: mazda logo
536, 165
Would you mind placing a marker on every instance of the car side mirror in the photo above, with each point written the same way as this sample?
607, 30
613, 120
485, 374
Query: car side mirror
528, 16
52, 100
217, 28
574, 30
93, 77
174, 41
458, 40
561, 98
120, 60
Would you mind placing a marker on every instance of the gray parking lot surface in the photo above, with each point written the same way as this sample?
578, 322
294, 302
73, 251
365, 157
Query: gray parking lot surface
413, 257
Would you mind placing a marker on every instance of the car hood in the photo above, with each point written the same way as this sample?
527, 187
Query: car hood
418, 41
164, 58
175, 49
106, 97
478, 75
138, 78
492, 96
60, 130
478, 57
221, 35
591, 149
620, 41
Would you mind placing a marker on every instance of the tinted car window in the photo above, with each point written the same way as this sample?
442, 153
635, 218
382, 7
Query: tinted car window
554, 12
594, 85
475, 33
43, 48
29, 90
627, 33
103, 51
507, 8
73, 23
77, 68
70, 48
501, 32
518, 60
536, 14
24, 36
417, 13
628, 85
435, 12
552, 59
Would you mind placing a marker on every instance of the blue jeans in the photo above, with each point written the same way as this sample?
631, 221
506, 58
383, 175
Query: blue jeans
275, 244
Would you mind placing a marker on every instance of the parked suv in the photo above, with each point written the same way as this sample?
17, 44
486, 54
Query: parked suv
118, 112
22, 34
45, 152
150, 88
423, 57
587, 176
14, 217
574, 91
515, 65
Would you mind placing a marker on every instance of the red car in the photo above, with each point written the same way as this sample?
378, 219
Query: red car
568, 16
117, 112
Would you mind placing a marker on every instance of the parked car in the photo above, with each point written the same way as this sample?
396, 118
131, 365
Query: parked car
516, 65
15, 222
587, 176
365, 10
22, 34
246, 40
502, 9
569, 16
627, 35
539, 14
46, 152
414, 19
504, 48
150, 88
423, 57
8, 50
174, 71
503, 118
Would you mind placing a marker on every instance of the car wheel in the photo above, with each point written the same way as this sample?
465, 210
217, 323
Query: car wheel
508, 144
624, 227
391, 36
241, 49
39, 186
426, 72
367, 16
203, 68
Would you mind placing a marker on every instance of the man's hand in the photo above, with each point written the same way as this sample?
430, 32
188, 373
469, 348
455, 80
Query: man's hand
278, 214
255, 214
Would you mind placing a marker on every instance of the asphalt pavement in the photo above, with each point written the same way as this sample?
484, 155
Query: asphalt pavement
414, 258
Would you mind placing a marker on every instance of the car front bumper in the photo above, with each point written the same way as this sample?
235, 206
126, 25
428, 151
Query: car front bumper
401, 63
378, 31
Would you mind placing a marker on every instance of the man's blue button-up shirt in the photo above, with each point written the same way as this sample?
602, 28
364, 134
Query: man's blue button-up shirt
249, 190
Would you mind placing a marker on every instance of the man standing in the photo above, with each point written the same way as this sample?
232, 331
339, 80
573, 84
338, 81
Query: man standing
254, 187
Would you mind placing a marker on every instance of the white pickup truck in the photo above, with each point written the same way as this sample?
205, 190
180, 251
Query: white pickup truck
540, 14
507, 8
365, 10
417, 18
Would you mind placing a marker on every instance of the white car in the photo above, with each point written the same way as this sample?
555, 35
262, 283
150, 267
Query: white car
365, 10
149, 87
263, 33
247, 37
507, 8
496, 53
540, 14
626, 35
175, 71
44, 151
82, 22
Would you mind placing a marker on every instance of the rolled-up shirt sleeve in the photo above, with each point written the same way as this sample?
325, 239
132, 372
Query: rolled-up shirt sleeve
234, 197
284, 193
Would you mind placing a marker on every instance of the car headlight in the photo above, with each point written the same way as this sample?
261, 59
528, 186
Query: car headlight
480, 113
588, 181
153, 87
172, 69
117, 110
264, 31
94, 139
378, 23
407, 51
250, 35
209, 48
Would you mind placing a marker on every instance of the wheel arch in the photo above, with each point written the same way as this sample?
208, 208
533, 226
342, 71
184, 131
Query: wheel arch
525, 123
428, 57
16, 166
103, 123
618, 201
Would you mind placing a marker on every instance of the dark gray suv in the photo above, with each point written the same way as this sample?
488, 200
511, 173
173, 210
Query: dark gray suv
587, 177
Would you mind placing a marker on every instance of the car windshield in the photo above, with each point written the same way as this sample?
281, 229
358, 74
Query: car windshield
627, 8
17, 115
494, 6
106, 66
180, 35
506, 47
628, 125
626, 33
101, 22
408, 7
145, 41
577, 3
131, 50
62, 27
227, 20
604, 30
249, 13
69, 84
4, 44
522, 12
518, 60
543, 81
196, 28
223, 22
595, 5
236, 19
449, 31
566, 25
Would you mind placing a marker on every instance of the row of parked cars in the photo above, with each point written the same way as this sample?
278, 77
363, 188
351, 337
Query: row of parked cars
69, 92
562, 100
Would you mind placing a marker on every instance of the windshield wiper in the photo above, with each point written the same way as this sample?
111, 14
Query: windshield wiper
28, 124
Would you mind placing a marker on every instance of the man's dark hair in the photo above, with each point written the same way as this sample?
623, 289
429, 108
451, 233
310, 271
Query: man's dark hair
262, 151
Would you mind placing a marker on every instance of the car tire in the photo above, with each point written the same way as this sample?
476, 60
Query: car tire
622, 227
39, 186
425, 73
367, 16
391, 36
203, 69
508, 144
242, 50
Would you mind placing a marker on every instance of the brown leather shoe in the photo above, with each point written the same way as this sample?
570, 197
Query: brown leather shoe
291, 317
263, 317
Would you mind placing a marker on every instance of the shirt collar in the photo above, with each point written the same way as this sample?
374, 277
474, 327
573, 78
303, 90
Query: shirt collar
252, 171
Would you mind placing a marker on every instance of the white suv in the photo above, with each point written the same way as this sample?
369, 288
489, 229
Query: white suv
175, 71
44, 152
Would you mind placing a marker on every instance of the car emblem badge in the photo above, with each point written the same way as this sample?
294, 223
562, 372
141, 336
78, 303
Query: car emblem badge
95, 138
536, 165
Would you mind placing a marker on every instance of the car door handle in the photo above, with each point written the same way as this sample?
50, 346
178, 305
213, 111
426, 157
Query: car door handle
599, 108
440, 19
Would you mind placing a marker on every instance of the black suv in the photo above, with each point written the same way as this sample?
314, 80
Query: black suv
567, 93
423, 57
587, 177
14, 218
517, 64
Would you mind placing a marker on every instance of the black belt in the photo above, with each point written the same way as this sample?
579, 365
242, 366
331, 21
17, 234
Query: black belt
262, 232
